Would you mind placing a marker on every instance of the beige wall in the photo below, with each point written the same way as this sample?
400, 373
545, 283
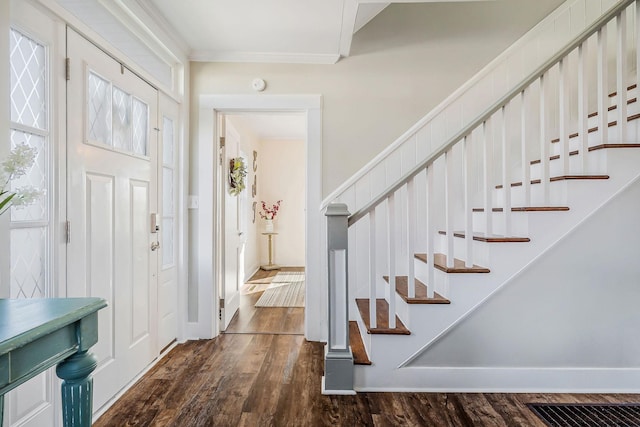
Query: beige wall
281, 176
402, 64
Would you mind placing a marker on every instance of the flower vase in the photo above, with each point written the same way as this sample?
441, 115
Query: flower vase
268, 226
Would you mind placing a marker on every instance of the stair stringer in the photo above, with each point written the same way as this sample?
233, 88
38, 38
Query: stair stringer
470, 292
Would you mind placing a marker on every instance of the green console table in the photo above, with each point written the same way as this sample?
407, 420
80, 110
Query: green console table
36, 334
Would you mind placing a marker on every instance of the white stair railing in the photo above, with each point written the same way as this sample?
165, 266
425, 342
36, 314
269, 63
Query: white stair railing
462, 174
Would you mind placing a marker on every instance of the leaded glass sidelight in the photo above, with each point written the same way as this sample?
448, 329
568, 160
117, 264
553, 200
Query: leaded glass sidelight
30, 232
28, 81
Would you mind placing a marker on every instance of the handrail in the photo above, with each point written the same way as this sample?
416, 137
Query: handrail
526, 82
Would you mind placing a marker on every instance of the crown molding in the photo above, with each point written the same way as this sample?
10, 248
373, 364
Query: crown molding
264, 57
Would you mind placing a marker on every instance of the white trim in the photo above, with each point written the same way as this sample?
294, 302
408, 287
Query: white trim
349, 14
326, 392
510, 380
264, 57
206, 152
158, 26
175, 92
141, 30
440, 108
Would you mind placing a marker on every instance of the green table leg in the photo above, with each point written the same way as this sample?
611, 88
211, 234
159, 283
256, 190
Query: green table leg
1, 409
77, 388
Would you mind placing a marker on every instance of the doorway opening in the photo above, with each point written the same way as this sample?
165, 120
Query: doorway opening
263, 225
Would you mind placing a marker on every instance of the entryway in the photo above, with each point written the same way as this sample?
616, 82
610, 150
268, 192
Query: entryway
204, 305
262, 221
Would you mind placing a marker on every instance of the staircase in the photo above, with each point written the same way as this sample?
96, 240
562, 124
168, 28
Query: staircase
441, 247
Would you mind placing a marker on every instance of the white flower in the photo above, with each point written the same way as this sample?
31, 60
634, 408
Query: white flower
26, 196
20, 159
17, 164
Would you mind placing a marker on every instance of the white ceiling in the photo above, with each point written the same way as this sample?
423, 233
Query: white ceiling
273, 126
291, 31
302, 31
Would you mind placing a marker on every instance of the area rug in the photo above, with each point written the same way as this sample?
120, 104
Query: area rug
285, 290
587, 414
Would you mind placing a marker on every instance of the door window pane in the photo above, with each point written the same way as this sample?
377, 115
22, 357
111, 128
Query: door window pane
121, 119
167, 141
28, 81
28, 262
99, 107
140, 126
37, 177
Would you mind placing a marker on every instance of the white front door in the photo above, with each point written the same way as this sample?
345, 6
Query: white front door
232, 233
112, 194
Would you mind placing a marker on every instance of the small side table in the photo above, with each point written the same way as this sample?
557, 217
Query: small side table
271, 265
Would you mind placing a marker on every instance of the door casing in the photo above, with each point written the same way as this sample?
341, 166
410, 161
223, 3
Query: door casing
206, 274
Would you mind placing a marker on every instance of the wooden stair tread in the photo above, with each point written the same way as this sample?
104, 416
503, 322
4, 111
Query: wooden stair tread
595, 128
528, 209
493, 238
613, 107
360, 356
612, 94
440, 262
558, 178
402, 289
594, 148
382, 318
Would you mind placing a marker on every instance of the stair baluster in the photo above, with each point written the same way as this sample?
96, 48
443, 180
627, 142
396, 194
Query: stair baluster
411, 236
487, 182
603, 90
583, 103
448, 203
373, 275
468, 209
524, 152
391, 258
544, 143
430, 232
563, 113
506, 171
621, 75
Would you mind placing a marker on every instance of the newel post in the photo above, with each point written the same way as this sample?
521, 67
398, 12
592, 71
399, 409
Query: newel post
338, 360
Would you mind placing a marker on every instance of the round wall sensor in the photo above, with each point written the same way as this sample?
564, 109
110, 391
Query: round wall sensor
258, 84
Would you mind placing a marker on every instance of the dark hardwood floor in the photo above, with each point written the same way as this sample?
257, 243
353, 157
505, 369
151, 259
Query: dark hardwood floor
266, 320
274, 379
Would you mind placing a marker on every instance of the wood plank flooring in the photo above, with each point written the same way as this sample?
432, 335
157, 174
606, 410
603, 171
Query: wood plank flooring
266, 320
274, 380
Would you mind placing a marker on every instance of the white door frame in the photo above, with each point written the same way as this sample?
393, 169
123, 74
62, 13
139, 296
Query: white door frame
205, 148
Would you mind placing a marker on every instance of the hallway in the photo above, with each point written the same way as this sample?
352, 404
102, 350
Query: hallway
265, 320
274, 380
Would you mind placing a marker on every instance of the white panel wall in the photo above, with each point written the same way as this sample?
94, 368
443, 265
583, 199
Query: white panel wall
575, 307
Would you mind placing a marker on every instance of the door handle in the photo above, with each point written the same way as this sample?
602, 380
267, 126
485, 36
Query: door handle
155, 246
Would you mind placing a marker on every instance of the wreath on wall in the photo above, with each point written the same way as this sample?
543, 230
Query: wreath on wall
237, 173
